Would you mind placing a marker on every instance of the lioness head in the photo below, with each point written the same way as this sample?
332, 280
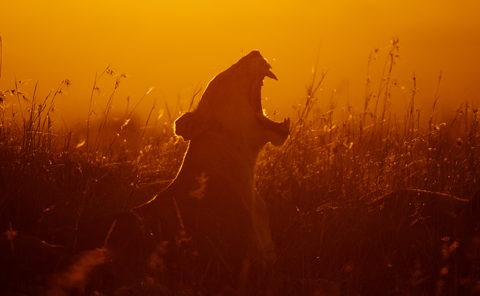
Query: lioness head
232, 104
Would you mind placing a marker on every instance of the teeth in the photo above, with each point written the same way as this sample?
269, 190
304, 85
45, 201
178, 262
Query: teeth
271, 75
280, 127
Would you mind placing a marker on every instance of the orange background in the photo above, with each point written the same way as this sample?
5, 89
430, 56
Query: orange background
177, 46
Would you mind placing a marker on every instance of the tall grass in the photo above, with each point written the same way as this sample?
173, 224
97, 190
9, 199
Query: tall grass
335, 162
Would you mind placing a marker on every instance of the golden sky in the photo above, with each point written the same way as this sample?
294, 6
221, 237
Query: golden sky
178, 46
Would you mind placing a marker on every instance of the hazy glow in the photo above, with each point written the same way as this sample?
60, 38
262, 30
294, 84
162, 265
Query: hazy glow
177, 46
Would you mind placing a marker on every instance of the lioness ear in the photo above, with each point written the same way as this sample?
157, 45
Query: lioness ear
188, 126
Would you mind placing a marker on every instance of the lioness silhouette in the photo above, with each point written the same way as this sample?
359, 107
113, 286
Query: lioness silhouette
213, 198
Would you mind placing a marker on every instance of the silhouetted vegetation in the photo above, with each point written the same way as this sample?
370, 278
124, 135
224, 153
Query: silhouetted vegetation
361, 203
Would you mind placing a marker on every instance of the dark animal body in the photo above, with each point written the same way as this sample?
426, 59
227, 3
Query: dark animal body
212, 205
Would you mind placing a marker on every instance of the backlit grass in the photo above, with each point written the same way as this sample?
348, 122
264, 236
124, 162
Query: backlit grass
359, 201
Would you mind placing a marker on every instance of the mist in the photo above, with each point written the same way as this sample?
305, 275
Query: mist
169, 50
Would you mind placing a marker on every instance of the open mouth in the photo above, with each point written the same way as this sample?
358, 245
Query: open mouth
243, 79
281, 129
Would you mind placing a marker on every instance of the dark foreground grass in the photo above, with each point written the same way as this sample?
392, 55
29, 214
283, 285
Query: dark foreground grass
373, 203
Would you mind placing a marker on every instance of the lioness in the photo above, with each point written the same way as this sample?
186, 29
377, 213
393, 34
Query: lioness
213, 197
